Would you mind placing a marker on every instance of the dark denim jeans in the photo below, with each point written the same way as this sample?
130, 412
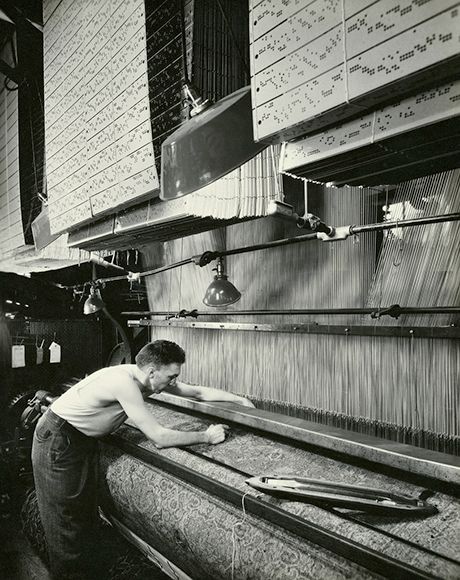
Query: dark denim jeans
64, 464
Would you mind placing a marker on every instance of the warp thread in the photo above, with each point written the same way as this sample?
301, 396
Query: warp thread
236, 525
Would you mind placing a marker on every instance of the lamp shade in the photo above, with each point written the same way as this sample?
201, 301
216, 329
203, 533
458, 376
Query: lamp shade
208, 146
93, 303
221, 292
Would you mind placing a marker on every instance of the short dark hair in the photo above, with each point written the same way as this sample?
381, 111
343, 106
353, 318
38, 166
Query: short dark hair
160, 353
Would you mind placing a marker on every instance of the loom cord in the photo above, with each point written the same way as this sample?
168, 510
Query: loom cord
382, 404
428, 260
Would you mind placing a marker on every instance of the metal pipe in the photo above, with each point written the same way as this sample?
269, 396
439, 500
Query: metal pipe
301, 312
167, 267
345, 231
435, 219
266, 245
351, 230
102, 281
148, 273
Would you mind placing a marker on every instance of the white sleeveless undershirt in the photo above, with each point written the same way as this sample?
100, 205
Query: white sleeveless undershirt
95, 420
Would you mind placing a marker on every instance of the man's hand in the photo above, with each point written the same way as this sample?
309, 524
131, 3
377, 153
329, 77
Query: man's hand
216, 434
245, 402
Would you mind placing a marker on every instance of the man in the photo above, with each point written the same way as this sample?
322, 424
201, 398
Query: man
65, 444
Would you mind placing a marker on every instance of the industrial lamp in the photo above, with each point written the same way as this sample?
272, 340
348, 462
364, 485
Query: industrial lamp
216, 140
221, 292
94, 302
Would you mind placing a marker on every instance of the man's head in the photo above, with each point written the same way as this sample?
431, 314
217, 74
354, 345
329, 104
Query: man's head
161, 361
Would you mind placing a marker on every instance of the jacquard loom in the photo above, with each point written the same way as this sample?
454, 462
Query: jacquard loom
303, 250
194, 508
365, 396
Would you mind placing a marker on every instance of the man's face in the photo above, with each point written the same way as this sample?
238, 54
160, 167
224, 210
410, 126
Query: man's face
163, 376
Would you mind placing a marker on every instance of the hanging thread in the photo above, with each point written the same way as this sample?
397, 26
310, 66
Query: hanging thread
237, 525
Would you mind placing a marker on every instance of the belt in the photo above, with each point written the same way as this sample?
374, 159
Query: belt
61, 423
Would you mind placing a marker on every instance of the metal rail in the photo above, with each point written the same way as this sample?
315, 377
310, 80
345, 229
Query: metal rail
348, 330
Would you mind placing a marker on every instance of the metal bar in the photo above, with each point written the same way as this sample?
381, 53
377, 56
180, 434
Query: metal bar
451, 217
349, 549
306, 311
349, 330
408, 458
145, 548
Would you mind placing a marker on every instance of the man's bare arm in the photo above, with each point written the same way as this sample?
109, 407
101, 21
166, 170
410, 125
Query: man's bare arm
206, 394
133, 404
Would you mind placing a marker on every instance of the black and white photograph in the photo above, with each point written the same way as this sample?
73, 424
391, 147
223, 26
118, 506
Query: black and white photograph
229, 289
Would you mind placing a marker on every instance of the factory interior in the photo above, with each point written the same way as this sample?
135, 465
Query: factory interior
273, 186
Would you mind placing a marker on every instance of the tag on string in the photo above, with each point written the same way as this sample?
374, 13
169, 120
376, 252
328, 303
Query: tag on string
55, 352
18, 356
39, 359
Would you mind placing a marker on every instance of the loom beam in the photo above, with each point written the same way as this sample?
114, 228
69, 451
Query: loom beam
186, 504
309, 531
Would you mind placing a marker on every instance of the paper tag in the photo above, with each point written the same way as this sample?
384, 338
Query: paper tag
55, 352
18, 356
39, 355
